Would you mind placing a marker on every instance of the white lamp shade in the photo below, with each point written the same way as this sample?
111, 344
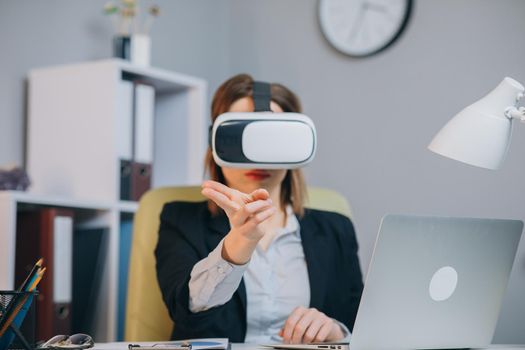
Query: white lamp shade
479, 135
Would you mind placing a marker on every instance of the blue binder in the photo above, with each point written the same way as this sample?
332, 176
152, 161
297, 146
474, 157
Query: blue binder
126, 233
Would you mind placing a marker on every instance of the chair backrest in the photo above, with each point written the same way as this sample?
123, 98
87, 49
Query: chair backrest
147, 318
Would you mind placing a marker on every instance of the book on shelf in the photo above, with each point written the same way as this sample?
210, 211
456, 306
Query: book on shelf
48, 233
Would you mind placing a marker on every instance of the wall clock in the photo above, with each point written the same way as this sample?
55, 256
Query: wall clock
361, 28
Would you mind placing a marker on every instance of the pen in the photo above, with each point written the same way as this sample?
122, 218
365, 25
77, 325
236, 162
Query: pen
183, 346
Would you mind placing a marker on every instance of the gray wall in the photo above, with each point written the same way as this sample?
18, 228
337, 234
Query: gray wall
374, 116
190, 37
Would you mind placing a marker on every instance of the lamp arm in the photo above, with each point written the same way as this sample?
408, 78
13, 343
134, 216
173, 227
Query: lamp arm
515, 113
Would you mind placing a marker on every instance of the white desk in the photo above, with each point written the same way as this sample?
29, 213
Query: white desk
243, 346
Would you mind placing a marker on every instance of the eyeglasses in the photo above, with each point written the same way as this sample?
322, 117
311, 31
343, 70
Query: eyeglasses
70, 342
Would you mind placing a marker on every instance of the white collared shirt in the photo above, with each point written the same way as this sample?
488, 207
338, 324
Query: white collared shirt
276, 279
276, 282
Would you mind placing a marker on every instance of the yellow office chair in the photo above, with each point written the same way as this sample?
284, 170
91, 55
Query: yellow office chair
147, 318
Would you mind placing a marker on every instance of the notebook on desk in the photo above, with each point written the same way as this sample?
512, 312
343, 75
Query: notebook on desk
196, 344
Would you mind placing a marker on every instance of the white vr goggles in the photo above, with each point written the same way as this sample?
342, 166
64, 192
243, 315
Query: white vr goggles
263, 139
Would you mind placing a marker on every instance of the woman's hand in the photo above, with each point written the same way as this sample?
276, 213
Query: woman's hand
245, 212
310, 325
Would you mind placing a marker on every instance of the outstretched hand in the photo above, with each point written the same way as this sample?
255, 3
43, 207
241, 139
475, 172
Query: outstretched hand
245, 212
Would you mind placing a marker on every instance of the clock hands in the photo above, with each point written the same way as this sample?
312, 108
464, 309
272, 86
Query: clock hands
375, 7
357, 25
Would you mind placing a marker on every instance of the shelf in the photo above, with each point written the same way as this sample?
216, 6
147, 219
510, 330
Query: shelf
54, 201
82, 106
163, 80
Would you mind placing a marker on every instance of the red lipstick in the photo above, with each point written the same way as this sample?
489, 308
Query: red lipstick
257, 175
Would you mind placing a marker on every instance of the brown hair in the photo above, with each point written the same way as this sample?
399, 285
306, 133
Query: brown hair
293, 187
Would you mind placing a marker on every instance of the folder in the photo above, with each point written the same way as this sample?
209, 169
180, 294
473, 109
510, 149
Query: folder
144, 113
48, 233
135, 153
90, 246
143, 132
140, 179
124, 119
125, 239
124, 135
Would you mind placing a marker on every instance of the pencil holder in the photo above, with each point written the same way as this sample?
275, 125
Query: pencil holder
17, 320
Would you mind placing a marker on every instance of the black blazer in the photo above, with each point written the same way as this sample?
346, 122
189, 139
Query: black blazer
188, 233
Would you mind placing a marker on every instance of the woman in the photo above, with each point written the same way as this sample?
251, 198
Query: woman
252, 264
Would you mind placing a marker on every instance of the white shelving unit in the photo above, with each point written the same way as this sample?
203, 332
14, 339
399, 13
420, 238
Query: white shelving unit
87, 213
73, 133
73, 162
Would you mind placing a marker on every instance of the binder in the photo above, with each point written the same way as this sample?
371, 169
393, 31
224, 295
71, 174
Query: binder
140, 179
124, 135
125, 239
90, 246
144, 112
143, 124
48, 233
135, 152
124, 120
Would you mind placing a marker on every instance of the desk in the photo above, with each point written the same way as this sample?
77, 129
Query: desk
243, 346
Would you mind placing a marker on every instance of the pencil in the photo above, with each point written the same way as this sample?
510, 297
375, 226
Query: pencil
39, 275
15, 301
29, 277
20, 302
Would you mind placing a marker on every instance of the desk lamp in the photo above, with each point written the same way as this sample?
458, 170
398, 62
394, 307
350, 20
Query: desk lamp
479, 135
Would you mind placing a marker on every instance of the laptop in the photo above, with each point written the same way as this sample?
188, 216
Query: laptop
434, 283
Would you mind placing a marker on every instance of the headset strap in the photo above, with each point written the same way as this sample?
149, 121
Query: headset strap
261, 96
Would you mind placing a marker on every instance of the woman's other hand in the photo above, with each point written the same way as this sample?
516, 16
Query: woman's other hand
245, 212
310, 326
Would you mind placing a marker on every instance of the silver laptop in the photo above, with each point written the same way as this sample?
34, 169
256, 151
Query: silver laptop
435, 283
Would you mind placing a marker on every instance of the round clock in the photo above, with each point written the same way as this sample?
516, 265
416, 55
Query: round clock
361, 28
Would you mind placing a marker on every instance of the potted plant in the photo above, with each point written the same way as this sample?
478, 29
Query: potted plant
132, 40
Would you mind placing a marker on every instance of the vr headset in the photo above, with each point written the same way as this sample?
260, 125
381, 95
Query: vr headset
263, 139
